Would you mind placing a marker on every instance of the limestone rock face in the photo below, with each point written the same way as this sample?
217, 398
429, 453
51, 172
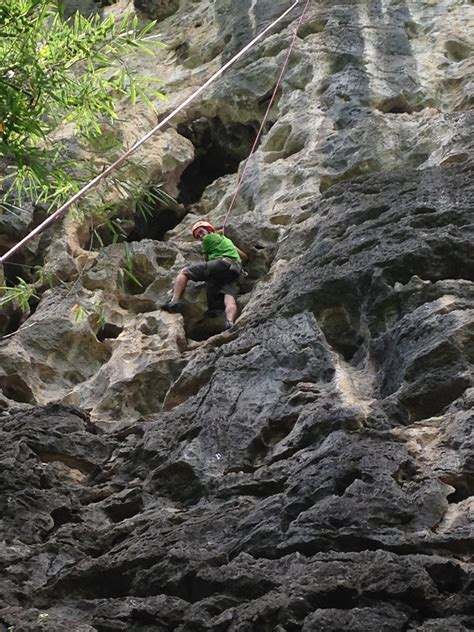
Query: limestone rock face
157, 8
312, 468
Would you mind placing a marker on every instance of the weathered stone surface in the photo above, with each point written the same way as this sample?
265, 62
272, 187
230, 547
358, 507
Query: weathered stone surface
312, 469
157, 8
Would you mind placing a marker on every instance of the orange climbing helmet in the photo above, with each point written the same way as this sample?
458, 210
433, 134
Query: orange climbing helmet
201, 224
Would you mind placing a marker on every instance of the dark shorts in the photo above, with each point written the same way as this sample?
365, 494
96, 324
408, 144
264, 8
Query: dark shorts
221, 274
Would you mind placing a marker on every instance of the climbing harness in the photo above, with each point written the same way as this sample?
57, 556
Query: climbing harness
90, 185
262, 125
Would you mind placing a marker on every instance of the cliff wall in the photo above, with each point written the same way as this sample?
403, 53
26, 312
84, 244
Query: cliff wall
311, 469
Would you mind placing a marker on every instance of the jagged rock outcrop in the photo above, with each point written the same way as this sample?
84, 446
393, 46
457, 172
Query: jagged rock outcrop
312, 469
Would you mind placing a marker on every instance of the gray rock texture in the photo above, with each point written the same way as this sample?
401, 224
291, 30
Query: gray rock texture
312, 468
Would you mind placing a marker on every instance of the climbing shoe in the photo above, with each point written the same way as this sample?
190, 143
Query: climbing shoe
228, 324
173, 307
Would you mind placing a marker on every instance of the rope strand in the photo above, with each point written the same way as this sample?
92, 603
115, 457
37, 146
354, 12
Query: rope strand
262, 125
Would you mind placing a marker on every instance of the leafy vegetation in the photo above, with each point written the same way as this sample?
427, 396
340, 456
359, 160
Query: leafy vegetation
54, 70
20, 294
126, 271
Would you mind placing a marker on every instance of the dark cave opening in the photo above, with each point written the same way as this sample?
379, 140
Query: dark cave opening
344, 481
464, 488
60, 516
443, 391
10, 320
219, 149
209, 325
396, 105
21, 265
108, 331
154, 214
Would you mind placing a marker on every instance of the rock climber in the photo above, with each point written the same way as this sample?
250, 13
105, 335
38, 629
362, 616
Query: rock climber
220, 271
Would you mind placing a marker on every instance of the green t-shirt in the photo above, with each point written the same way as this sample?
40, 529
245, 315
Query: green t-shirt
215, 246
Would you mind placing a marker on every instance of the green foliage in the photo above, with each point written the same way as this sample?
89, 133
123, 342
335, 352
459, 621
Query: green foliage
56, 71
43, 277
115, 229
79, 312
148, 201
110, 226
101, 320
126, 272
20, 294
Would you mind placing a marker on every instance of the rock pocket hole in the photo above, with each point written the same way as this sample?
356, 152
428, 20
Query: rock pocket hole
411, 29
441, 393
278, 429
18, 268
313, 26
74, 377
136, 304
398, 105
125, 509
180, 482
448, 577
135, 274
12, 316
341, 598
457, 51
60, 516
464, 488
157, 10
108, 331
10, 322
205, 328
69, 460
24, 264
406, 472
345, 481
166, 258
87, 8
97, 583
341, 328
16, 389
257, 451
359, 169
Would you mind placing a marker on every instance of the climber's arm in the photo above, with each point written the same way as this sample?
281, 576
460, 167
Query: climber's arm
243, 255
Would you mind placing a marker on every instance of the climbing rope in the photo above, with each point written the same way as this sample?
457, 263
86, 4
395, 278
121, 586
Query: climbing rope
90, 185
262, 125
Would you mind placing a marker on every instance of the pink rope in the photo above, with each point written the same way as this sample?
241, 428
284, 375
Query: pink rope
54, 216
260, 131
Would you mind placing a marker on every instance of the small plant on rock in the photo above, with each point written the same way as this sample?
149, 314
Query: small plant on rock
79, 312
126, 272
21, 294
